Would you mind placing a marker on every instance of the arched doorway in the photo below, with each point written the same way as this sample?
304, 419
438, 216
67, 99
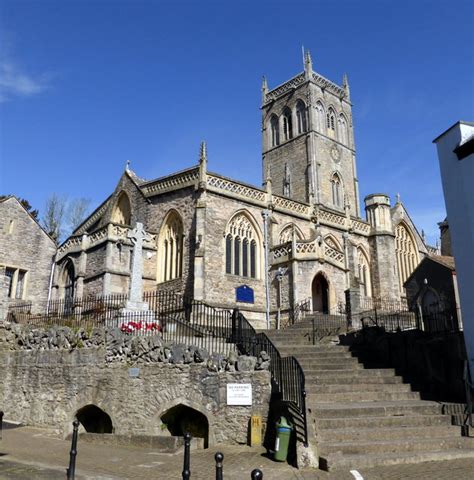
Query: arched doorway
182, 419
320, 294
94, 419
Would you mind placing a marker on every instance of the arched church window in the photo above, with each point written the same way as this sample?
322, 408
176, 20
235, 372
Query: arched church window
122, 212
363, 271
275, 131
320, 117
301, 116
287, 124
242, 255
171, 248
406, 252
286, 235
343, 130
331, 123
337, 191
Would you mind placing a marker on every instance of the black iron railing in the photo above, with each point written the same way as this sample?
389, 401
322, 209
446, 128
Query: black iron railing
299, 311
287, 374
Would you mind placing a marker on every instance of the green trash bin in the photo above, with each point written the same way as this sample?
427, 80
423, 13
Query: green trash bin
282, 439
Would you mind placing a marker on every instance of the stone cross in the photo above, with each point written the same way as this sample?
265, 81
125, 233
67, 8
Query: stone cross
138, 235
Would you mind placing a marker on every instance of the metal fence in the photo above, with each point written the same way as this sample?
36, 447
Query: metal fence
286, 372
177, 318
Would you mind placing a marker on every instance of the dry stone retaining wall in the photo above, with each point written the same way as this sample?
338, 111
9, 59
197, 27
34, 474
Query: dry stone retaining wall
47, 376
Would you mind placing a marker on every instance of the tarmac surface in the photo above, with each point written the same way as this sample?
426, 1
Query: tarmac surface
34, 453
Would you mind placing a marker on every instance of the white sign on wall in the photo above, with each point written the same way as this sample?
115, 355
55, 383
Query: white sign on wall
239, 394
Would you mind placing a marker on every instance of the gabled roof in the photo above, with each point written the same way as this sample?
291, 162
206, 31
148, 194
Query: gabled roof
12, 197
445, 260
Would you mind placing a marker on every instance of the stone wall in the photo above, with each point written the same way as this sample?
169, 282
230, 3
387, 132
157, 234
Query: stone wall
47, 376
24, 246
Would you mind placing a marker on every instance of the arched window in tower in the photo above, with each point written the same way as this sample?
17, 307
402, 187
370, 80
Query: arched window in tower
274, 131
406, 252
363, 272
301, 116
287, 124
241, 253
320, 118
343, 130
170, 248
122, 212
286, 235
331, 123
337, 191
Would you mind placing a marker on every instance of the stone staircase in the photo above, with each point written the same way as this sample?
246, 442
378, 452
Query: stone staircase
364, 416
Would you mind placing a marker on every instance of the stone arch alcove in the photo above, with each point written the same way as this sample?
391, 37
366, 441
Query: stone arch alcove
181, 418
94, 419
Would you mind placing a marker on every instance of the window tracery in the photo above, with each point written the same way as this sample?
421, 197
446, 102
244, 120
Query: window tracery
363, 271
406, 252
301, 117
320, 118
241, 252
171, 248
343, 130
287, 124
286, 235
275, 131
331, 123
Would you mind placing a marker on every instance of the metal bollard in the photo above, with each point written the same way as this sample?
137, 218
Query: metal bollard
219, 457
187, 448
1, 424
256, 474
71, 470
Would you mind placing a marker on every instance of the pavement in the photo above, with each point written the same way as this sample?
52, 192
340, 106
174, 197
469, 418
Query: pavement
35, 453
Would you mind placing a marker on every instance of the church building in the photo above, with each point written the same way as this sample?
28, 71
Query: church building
301, 237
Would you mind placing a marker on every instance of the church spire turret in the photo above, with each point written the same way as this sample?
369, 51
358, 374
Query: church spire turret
203, 164
264, 88
308, 64
345, 85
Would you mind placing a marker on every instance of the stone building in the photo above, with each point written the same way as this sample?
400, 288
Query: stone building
212, 234
26, 257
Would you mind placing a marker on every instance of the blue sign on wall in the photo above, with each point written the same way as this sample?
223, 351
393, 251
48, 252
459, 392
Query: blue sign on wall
244, 294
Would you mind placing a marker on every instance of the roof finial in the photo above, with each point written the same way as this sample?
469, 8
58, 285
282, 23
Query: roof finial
423, 236
268, 182
308, 63
345, 85
203, 152
203, 166
264, 88
127, 165
398, 198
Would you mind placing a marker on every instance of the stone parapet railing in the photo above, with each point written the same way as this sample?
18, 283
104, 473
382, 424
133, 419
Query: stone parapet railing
308, 251
111, 232
186, 178
240, 190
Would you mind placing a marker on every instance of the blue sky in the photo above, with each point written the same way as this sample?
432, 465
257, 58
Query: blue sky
86, 85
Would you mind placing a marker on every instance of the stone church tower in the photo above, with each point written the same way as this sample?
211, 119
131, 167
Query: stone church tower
308, 141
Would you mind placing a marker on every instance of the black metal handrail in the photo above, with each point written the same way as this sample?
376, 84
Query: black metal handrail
286, 372
469, 392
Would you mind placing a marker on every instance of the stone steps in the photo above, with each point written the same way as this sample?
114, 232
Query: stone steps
364, 415
375, 409
367, 460
357, 387
361, 396
319, 381
376, 422
380, 434
390, 445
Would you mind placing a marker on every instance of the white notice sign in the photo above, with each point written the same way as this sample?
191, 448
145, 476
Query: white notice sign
239, 394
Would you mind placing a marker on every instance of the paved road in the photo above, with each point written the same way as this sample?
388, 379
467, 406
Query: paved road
32, 453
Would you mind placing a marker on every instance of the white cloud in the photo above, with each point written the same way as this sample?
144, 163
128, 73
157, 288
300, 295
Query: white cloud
16, 83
